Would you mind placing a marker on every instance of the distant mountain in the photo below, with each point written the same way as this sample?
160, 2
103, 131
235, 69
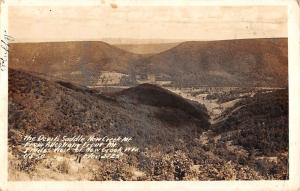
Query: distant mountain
248, 62
79, 62
146, 48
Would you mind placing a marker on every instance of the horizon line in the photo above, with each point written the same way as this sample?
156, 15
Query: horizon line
151, 41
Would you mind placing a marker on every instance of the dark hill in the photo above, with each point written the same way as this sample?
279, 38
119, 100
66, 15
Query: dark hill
153, 95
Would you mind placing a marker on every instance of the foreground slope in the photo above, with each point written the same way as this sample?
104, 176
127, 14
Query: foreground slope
261, 122
167, 134
257, 130
38, 106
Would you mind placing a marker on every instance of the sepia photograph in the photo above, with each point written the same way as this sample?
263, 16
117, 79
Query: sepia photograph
196, 108
138, 92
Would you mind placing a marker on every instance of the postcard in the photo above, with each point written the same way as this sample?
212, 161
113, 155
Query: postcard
131, 95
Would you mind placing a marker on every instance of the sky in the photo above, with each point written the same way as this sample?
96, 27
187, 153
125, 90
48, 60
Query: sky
145, 24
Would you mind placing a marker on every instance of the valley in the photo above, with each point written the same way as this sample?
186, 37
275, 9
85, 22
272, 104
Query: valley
196, 110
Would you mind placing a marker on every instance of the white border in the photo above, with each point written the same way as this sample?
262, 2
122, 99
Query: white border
3, 103
150, 2
294, 103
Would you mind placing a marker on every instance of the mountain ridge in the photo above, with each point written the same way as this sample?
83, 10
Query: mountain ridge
246, 62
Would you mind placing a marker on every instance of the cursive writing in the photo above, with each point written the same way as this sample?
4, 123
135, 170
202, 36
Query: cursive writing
5, 40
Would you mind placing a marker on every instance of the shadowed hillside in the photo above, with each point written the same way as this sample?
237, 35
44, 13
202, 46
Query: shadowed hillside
153, 95
257, 131
38, 106
259, 123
